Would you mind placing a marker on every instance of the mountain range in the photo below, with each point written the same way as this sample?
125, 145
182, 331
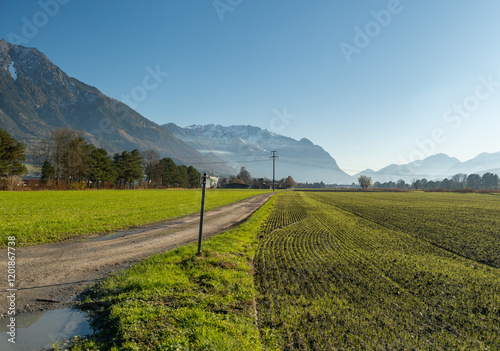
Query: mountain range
37, 97
436, 167
249, 146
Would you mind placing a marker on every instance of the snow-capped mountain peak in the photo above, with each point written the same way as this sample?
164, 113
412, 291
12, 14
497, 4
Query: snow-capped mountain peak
250, 146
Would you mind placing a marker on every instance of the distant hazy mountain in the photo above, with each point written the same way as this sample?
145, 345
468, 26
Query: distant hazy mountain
482, 163
251, 147
438, 166
37, 97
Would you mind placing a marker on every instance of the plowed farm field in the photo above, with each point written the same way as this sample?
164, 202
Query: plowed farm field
380, 271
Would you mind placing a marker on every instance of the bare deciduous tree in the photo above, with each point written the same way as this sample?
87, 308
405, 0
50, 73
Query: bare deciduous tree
365, 181
150, 163
244, 175
65, 149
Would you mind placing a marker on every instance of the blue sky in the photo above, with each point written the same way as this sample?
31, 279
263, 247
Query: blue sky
372, 82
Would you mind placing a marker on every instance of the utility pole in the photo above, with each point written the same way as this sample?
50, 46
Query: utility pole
274, 157
204, 184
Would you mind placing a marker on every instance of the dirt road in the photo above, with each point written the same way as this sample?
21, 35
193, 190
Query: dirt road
51, 276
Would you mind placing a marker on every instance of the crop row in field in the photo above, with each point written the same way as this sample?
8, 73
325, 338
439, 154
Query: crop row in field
334, 280
466, 224
48, 216
284, 213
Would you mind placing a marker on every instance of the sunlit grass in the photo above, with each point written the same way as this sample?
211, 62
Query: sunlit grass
48, 216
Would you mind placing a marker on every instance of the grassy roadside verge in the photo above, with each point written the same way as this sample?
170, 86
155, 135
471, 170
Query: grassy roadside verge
49, 216
180, 301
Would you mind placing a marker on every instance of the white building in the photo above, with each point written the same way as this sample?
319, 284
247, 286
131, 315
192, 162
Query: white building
212, 182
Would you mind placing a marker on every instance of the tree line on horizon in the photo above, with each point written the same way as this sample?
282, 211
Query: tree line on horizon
67, 160
460, 181
244, 177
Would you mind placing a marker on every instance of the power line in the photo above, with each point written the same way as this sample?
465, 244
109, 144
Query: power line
227, 162
225, 156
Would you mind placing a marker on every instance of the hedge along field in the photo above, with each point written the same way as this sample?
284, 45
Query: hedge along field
50, 216
328, 279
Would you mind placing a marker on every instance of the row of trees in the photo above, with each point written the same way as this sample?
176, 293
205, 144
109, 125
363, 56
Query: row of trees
315, 185
68, 158
458, 181
164, 172
244, 177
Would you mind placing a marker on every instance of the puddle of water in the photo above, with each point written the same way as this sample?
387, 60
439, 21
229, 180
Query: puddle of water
36, 331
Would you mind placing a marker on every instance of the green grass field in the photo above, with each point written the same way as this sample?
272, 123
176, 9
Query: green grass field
380, 271
50, 216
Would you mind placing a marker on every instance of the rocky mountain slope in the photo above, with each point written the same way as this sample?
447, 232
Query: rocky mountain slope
249, 146
37, 97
